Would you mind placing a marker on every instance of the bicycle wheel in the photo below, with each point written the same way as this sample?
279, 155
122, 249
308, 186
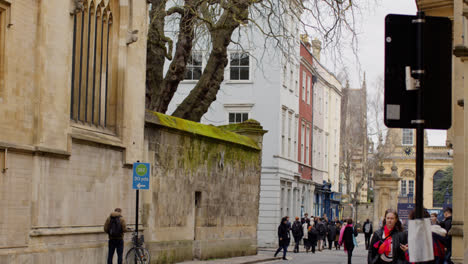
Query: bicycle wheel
137, 255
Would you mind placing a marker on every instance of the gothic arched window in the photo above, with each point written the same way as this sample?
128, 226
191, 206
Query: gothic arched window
91, 63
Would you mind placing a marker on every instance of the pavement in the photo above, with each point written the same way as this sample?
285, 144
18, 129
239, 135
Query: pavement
265, 255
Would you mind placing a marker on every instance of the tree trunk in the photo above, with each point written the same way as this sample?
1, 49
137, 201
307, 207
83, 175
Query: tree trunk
161, 91
196, 104
156, 52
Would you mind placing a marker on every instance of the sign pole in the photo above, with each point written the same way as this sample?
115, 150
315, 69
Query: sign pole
419, 72
136, 211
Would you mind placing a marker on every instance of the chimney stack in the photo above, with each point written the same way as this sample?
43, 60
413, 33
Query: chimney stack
316, 48
305, 39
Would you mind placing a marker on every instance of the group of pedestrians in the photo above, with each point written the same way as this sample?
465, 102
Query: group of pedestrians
314, 232
388, 244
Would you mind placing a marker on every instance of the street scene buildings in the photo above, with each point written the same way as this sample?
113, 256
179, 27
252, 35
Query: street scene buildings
241, 127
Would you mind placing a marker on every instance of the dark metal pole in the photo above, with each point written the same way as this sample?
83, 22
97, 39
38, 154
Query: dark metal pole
419, 73
136, 211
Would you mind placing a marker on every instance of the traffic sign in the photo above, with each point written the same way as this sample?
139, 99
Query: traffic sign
403, 77
141, 176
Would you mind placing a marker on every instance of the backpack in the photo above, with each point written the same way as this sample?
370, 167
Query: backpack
297, 228
321, 229
115, 227
367, 228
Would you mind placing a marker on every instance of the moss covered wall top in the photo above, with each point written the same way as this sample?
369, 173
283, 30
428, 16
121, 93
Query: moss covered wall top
199, 129
201, 189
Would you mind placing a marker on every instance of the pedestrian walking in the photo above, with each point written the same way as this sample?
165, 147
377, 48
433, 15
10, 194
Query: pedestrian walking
283, 237
447, 225
305, 229
325, 223
337, 235
297, 233
331, 235
115, 227
322, 231
367, 232
313, 235
389, 243
348, 238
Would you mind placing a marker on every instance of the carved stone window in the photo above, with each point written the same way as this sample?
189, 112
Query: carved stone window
91, 85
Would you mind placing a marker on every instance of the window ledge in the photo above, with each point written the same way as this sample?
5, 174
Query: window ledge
97, 135
189, 81
72, 230
239, 82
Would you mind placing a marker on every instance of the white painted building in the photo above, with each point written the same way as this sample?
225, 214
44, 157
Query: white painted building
262, 82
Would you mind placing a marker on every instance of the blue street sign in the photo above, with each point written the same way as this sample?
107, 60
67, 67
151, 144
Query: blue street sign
141, 176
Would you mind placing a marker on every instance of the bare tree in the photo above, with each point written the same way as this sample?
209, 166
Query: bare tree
219, 19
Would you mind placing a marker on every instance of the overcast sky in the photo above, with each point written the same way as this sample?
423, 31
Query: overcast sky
371, 30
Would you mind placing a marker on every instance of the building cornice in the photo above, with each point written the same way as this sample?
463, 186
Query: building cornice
425, 5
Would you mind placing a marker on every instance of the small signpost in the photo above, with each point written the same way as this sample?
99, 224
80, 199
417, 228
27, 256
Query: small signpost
141, 181
418, 75
141, 172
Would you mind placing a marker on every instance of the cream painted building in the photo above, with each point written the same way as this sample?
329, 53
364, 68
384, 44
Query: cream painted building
401, 146
326, 123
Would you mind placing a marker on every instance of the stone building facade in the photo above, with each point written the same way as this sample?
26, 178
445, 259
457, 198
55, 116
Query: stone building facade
354, 143
59, 172
401, 145
72, 92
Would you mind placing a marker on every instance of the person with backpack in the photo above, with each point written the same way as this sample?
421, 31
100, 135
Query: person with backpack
115, 226
297, 233
312, 234
367, 232
322, 231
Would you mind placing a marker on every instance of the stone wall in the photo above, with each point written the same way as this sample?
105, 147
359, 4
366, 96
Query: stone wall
364, 211
205, 186
53, 207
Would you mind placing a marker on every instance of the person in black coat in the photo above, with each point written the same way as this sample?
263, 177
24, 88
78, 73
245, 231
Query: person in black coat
283, 237
447, 225
389, 243
297, 233
331, 235
348, 239
313, 237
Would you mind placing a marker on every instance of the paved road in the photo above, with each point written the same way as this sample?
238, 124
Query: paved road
326, 256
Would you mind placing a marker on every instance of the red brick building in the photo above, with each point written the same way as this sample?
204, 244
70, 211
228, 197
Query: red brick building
305, 112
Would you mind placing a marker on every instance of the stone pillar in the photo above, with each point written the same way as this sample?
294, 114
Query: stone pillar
385, 193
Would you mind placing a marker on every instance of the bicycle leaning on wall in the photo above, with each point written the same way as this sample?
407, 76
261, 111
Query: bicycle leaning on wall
137, 254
